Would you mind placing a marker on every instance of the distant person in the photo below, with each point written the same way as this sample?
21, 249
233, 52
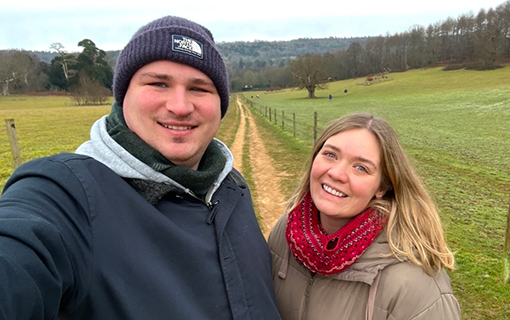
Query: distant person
345, 91
330, 97
148, 219
361, 238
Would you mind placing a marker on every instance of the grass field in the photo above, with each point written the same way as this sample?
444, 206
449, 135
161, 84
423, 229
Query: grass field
455, 126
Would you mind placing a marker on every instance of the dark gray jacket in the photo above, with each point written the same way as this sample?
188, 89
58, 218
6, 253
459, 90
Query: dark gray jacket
77, 241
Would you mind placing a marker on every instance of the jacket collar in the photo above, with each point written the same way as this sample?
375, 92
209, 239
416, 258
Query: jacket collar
365, 269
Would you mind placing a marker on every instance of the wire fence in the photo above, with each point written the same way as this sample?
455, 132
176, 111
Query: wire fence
301, 126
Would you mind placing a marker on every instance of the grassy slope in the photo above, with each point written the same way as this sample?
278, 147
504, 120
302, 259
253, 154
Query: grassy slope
456, 127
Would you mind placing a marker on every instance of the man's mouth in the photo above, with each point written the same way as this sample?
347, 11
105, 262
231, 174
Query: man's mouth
180, 128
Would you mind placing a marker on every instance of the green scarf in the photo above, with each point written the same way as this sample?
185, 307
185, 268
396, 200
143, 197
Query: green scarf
199, 181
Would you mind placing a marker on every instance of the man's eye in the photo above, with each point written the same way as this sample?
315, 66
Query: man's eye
198, 89
158, 84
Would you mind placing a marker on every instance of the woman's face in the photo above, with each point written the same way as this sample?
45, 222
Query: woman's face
345, 176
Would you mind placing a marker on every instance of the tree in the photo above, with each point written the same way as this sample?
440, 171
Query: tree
66, 60
308, 73
416, 47
89, 92
18, 69
63, 70
92, 61
355, 60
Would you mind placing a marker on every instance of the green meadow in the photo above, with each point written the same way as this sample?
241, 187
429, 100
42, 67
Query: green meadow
455, 126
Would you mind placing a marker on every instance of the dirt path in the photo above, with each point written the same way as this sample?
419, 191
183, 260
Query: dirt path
237, 146
268, 200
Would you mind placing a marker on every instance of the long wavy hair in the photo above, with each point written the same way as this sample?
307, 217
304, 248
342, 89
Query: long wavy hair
413, 229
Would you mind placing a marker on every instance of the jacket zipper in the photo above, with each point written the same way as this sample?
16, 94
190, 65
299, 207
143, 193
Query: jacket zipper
308, 292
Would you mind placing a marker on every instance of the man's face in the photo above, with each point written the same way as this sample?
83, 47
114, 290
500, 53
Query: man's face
174, 108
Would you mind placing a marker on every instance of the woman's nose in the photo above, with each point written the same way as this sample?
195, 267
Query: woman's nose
339, 172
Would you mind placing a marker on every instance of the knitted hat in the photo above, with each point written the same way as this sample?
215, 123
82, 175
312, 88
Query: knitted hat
176, 39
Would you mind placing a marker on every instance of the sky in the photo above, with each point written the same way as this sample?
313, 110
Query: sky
35, 24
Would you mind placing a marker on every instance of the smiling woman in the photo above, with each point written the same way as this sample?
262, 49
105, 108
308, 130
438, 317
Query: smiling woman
361, 238
345, 175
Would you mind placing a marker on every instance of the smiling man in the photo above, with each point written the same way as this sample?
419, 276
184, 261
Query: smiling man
148, 219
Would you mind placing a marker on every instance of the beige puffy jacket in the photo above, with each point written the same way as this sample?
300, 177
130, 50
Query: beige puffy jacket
403, 290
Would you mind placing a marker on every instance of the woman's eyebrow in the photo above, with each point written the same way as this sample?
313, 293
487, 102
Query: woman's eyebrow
359, 158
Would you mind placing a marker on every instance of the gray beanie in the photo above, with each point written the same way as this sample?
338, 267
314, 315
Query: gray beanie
176, 39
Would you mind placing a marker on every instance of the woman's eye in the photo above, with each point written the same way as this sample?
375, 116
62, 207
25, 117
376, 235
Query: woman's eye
329, 154
361, 168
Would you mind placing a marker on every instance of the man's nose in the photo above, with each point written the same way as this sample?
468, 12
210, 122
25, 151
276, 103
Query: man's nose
179, 103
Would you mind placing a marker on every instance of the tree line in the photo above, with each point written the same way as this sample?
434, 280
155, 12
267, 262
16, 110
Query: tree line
475, 41
478, 41
87, 76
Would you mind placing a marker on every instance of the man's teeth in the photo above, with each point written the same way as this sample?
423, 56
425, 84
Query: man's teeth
333, 191
176, 128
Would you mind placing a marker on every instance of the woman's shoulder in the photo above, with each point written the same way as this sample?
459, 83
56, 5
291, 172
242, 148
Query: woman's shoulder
277, 234
407, 292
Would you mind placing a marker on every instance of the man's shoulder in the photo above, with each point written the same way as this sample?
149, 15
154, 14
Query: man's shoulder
236, 177
59, 163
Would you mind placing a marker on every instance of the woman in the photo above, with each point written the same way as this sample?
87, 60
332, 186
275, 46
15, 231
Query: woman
361, 238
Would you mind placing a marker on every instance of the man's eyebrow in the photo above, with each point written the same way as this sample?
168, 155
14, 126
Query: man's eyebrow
167, 77
160, 76
362, 159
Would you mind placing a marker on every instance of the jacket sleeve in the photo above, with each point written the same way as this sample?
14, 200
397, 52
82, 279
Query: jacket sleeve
406, 292
444, 308
44, 241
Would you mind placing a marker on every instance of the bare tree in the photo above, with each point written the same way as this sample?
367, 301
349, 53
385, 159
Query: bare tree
17, 68
308, 73
66, 60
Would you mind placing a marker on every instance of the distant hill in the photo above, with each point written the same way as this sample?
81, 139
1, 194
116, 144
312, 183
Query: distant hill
251, 51
278, 50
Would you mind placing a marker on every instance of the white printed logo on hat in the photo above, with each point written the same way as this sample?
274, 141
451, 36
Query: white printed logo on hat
187, 45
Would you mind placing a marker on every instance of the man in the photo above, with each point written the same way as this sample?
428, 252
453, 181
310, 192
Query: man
148, 220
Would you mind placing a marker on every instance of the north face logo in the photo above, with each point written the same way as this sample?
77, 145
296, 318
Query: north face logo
187, 45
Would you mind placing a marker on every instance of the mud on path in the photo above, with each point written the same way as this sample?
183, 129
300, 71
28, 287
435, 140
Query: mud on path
267, 197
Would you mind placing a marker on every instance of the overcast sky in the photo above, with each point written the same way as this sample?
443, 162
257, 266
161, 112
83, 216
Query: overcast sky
36, 24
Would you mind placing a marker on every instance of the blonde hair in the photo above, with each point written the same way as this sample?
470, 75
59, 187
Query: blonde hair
413, 229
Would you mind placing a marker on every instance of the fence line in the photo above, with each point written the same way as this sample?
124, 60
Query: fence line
13, 141
301, 128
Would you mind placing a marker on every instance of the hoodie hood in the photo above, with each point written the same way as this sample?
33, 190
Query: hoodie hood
107, 151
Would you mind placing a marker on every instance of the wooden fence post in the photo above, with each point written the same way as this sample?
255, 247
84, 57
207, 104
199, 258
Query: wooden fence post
270, 114
283, 120
294, 124
314, 126
13, 141
506, 249
275, 121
